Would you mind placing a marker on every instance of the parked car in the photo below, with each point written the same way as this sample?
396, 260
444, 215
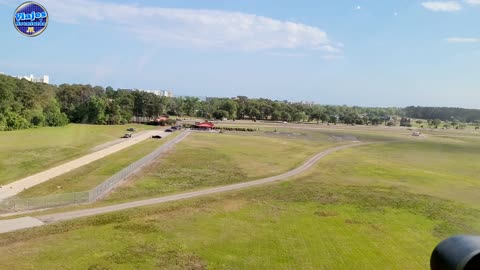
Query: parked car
156, 137
131, 129
168, 130
127, 135
173, 128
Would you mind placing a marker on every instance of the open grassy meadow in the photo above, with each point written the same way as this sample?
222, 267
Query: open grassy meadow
293, 225
91, 175
205, 160
378, 206
25, 152
441, 167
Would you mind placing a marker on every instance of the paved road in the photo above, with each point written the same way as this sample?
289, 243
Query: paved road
46, 219
14, 188
19, 223
114, 142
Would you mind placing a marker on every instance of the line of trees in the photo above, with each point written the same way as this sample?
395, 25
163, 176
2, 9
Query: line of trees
443, 113
25, 104
264, 109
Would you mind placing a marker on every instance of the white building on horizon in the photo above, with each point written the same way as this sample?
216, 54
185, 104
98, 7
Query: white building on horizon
31, 78
162, 93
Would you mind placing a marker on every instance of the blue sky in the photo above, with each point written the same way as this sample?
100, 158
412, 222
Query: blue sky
355, 52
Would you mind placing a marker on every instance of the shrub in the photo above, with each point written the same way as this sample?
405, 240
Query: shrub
171, 121
35, 117
56, 119
3, 123
53, 116
232, 129
38, 120
15, 121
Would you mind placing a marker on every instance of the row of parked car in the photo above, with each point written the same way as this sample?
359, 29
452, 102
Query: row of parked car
171, 129
129, 135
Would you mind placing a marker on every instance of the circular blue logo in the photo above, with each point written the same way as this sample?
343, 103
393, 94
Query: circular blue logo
30, 19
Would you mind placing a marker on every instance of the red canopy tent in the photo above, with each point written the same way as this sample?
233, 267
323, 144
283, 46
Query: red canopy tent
205, 125
161, 118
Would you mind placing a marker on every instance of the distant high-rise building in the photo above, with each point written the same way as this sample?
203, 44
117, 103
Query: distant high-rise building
307, 102
31, 78
162, 93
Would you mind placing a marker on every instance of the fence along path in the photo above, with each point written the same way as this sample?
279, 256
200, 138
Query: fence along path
12, 189
101, 190
98, 192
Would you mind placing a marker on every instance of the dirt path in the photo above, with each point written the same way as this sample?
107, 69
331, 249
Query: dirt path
16, 187
46, 219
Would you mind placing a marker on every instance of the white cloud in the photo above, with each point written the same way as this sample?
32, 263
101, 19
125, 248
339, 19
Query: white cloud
473, 2
462, 40
175, 27
450, 6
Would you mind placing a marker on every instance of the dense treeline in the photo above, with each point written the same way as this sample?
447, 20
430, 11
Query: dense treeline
443, 113
265, 109
25, 104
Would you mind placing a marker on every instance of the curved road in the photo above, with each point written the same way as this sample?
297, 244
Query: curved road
29, 222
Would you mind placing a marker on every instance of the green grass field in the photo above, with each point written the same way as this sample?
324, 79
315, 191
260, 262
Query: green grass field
25, 152
441, 167
91, 175
293, 225
380, 206
206, 160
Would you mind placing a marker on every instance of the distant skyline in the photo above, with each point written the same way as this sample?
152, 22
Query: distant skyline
353, 52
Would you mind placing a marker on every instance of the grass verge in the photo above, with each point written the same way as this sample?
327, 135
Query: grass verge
25, 152
91, 175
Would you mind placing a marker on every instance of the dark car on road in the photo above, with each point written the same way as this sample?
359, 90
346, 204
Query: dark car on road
169, 130
127, 135
131, 129
156, 137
